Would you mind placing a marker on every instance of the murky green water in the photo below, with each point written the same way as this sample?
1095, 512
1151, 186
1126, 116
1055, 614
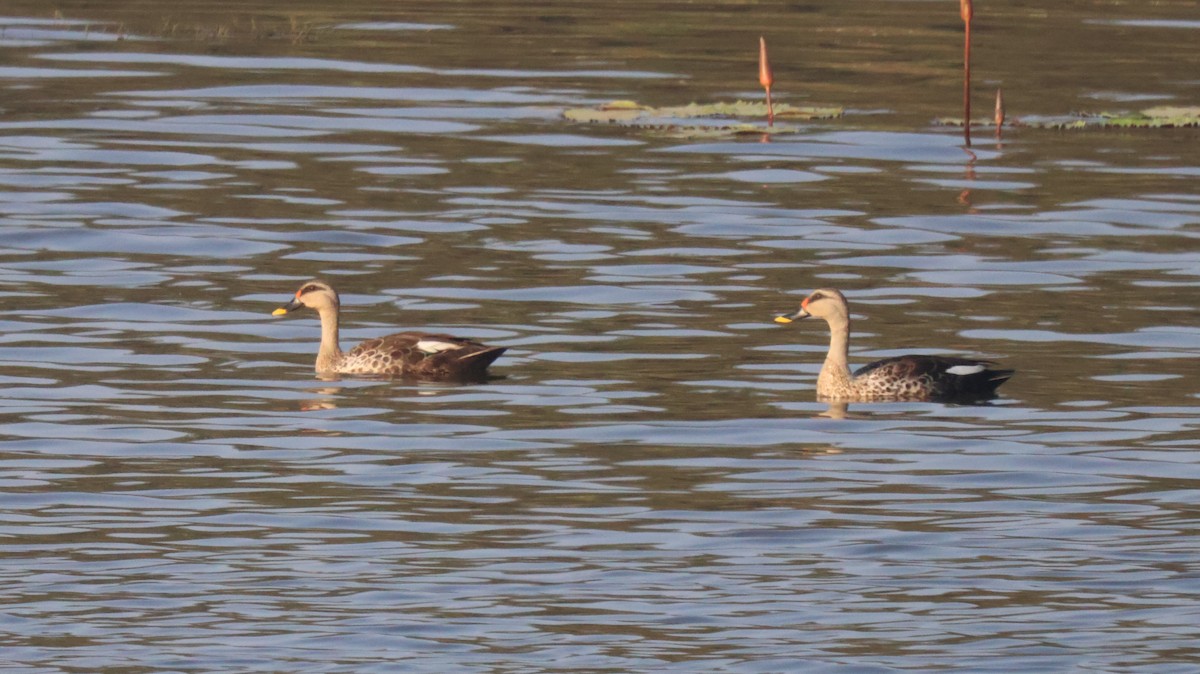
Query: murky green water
650, 485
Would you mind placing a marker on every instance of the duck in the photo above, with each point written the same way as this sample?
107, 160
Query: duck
907, 378
417, 355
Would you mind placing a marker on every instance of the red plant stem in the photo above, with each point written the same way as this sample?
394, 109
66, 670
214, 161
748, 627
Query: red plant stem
967, 13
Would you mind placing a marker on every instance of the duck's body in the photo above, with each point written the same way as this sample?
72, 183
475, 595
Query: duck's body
417, 355
912, 377
927, 378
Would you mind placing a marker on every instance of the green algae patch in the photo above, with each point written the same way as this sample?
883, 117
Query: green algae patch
1161, 117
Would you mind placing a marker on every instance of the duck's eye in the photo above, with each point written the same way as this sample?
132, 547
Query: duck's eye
815, 296
308, 289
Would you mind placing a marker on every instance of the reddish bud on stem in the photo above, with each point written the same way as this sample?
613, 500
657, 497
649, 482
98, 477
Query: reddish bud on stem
766, 78
999, 112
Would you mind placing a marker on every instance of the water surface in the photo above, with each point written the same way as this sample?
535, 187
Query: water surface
650, 483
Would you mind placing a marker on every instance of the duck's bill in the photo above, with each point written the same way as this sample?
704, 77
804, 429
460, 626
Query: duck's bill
290, 306
788, 318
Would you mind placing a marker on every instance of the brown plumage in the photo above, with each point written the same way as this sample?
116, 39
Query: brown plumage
912, 377
419, 355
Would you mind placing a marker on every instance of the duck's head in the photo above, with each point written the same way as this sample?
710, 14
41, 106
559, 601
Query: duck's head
314, 295
825, 303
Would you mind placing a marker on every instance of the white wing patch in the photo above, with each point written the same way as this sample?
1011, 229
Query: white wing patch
964, 370
432, 346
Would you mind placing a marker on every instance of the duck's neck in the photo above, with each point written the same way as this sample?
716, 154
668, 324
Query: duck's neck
835, 380
330, 352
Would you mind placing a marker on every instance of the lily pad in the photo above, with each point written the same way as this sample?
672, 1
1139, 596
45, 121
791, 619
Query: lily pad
698, 120
1162, 117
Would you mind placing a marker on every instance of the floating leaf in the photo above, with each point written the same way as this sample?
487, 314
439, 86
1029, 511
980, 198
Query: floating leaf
716, 132
753, 109
602, 115
623, 105
690, 121
957, 121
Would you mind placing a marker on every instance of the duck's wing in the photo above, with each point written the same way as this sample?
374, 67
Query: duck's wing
938, 377
422, 355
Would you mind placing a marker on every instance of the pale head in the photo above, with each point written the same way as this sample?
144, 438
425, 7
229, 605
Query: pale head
314, 295
826, 303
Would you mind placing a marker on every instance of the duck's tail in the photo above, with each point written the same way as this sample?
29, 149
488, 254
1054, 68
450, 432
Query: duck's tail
475, 364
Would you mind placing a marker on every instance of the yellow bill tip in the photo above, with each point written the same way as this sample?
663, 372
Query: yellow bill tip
279, 312
782, 319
